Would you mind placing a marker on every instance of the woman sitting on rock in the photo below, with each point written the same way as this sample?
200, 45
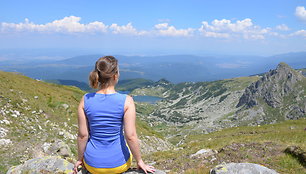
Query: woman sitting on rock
103, 116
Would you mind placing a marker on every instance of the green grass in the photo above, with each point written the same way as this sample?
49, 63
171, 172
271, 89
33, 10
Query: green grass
282, 134
18, 88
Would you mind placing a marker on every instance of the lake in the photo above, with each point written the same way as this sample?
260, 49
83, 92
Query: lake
146, 99
143, 98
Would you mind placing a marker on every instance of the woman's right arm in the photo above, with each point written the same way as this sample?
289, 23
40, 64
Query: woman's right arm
131, 135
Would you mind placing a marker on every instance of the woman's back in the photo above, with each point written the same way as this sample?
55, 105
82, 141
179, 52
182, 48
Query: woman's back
102, 147
106, 147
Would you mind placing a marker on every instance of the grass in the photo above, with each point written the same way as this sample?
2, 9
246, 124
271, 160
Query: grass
281, 135
27, 95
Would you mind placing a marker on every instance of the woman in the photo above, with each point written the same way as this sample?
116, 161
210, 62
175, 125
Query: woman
102, 118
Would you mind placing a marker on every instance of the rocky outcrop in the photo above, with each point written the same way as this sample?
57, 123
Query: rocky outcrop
57, 148
150, 144
272, 87
47, 165
56, 165
298, 153
241, 168
282, 88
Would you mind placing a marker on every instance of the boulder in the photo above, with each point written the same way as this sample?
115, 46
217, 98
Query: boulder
46, 165
57, 148
204, 153
241, 168
135, 171
56, 165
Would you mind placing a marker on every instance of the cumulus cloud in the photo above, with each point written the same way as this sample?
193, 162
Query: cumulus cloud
164, 29
299, 33
226, 28
300, 12
282, 27
126, 29
70, 24
216, 29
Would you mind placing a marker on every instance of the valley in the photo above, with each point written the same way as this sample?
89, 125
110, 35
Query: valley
244, 119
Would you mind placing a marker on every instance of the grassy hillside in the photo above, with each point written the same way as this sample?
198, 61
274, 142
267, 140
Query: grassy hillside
263, 145
34, 112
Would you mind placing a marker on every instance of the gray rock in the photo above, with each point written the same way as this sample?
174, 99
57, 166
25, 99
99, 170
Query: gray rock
135, 171
272, 87
65, 106
130, 171
241, 168
280, 88
48, 164
57, 148
204, 153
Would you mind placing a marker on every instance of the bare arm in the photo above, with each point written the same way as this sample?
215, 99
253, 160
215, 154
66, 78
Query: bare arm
131, 135
83, 130
130, 128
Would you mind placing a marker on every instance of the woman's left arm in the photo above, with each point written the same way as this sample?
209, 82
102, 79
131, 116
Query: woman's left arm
82, 134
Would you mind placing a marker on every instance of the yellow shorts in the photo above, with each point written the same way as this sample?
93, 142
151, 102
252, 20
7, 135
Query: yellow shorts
119, 169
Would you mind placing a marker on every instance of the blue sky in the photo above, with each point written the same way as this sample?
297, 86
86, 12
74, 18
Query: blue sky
261, 27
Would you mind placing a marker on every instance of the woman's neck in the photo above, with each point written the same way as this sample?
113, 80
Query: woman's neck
108, 90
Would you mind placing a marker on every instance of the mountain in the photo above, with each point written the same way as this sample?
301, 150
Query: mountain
82, 85
281, 91
39, 119
175, 68
204, 107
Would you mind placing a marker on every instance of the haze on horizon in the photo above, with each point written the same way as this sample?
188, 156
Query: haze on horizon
159, 27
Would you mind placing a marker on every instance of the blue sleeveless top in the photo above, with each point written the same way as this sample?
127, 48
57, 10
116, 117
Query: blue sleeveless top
106, 147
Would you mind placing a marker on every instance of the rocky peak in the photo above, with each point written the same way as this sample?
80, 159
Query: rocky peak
163, 82
272, 87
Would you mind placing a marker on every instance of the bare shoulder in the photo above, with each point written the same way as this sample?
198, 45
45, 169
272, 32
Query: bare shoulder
82, 100
129, 101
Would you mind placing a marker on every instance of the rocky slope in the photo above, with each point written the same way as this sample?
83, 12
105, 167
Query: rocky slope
203, 107
39, 119
278, 95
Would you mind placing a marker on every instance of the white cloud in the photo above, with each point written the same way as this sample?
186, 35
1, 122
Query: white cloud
226, 28
126, 29
216, 29
300, 12
164, 29
299, 33
282, 27
70, 24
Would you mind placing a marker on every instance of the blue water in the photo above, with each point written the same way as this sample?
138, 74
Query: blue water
143, 98
147, 99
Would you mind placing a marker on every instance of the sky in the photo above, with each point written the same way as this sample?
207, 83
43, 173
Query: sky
154, 27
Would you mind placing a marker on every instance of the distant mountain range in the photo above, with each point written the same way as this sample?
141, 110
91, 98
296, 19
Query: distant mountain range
208, 106
175, 68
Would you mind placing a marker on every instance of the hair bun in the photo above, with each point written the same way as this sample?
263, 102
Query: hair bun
106, 67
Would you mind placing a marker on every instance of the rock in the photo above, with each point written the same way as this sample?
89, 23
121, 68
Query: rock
204, 153
57, 148
135, 171
4, 142
241, 168
272, 87
298, 153
36, 97
6, 122
150, 144
56, 165
282, 89
65, 106
46, 165
3, 132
